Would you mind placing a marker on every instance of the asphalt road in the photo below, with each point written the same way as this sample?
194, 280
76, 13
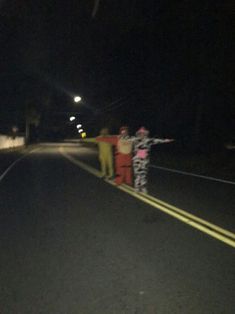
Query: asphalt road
208, 199
73, 244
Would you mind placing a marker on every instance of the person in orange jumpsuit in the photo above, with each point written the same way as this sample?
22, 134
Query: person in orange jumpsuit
123, 155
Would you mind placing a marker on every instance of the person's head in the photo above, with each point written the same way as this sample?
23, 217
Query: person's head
124, 131
104, 131
142, 132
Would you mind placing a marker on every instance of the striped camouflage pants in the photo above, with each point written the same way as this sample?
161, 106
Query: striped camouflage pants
140, 172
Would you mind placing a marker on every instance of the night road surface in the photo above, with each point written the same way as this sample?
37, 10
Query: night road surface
73, 244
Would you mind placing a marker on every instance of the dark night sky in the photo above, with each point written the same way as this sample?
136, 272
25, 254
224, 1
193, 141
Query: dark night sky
166, 64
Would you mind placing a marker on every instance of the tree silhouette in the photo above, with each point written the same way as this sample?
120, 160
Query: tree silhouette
32, 118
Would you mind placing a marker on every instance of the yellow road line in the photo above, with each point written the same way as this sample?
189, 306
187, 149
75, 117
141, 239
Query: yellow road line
194, 221
81, 164
187, 214
183, 218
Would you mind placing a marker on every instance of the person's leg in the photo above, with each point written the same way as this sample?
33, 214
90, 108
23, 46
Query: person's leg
143, 183
110, 165
127, 169
118, 166
128, 175
136, 167
120, 169
137, 183
143, 179
120, 173
102, 166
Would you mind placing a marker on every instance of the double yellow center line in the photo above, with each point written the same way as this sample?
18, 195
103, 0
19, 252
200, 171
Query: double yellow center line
182, 215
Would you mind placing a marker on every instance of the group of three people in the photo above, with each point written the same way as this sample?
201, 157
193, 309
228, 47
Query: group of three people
131, 152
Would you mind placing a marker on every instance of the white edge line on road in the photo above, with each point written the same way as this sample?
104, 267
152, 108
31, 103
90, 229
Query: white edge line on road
15, 162
194, 221
192, 174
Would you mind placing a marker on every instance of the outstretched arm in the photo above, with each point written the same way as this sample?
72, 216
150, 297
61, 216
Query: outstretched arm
155, 141
108, 139
90, 140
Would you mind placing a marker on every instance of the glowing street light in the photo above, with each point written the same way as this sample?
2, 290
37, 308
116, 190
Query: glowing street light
77, 98
80, 130
72, 118
79, 126
83, 135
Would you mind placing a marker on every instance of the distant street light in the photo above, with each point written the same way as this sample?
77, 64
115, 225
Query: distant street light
80, 130
15, 129
72, 118
79, 126
77, 98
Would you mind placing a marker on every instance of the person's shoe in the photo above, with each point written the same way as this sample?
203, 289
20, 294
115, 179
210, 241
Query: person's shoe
110, 178
144, 191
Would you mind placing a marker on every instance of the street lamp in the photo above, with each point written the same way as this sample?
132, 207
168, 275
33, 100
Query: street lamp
80, 130
72, 118
77, 98
79, 126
